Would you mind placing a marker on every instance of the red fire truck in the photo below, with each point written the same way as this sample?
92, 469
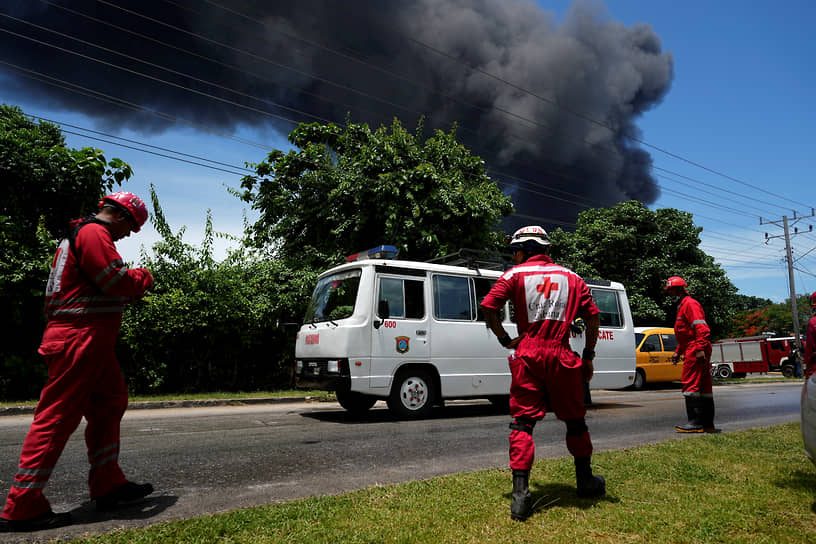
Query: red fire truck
738, 356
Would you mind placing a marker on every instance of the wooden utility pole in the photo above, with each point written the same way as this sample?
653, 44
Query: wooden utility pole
789, 257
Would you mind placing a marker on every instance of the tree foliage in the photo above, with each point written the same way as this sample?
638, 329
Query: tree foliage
43, 185
347, 189
207, 325
641, 248
776, 319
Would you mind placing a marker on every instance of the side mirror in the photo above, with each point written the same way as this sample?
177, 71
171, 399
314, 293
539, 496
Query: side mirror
382, 309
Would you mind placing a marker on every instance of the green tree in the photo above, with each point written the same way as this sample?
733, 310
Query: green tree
43, 185
207, 325
641, 248
348, 189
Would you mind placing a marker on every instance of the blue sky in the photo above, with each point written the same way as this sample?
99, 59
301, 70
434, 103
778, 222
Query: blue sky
740, 104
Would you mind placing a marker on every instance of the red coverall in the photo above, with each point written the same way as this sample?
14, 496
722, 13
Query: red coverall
83, 304
692, 332
810, 348
547, 298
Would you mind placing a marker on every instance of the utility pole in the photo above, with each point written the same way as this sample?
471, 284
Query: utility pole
789, 258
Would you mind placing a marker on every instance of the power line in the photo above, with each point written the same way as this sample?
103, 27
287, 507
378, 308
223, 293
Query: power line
116, 101
170, 83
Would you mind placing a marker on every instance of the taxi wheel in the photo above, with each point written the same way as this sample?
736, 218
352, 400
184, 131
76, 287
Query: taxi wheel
412, 395
640, 380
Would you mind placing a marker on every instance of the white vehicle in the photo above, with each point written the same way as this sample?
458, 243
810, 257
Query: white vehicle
412, 333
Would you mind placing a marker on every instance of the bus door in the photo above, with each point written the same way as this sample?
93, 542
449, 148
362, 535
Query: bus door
401, 332
469, 359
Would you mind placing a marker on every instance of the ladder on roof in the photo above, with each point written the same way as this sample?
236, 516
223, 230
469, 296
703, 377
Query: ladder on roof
476, 259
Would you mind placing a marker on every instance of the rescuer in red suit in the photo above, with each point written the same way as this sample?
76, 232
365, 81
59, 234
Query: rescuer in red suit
87, 290
693, 344
810, 340
544, 369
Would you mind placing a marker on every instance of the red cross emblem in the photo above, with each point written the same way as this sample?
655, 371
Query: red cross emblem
547, 287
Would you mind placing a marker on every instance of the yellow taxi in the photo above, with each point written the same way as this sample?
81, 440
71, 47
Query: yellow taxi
654, 347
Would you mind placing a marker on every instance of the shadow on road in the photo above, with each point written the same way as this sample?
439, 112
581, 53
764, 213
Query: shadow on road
144, 509
383, 415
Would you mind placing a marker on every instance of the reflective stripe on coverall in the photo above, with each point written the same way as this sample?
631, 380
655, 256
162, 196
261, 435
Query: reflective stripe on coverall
84, 304
547, 298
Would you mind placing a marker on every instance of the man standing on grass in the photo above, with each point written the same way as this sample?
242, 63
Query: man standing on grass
692, 333
547, 298
87, 290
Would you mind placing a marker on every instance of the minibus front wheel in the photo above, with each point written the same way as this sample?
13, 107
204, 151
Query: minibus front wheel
412, 394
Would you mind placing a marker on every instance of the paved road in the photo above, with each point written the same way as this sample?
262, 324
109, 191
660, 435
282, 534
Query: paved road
205, 460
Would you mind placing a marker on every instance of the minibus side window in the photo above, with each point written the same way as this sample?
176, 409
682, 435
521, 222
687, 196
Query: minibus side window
404, 298
482, 286
607, 303
452, 298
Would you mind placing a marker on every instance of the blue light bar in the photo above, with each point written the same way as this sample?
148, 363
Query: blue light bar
379, 252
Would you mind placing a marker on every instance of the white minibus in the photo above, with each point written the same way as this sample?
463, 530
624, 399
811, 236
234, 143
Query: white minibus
412, 333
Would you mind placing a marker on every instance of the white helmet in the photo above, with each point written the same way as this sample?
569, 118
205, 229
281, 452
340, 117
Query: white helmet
529, 238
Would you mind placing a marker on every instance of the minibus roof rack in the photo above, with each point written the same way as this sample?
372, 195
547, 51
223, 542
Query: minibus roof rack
476, 259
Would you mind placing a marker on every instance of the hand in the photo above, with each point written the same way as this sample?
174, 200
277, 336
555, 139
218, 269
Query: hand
675, 358
149, 278
587, 369
700, 355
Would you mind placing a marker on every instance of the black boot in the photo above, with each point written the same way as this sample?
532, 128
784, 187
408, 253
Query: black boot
708, 415
521, 507
694, 410
588, 484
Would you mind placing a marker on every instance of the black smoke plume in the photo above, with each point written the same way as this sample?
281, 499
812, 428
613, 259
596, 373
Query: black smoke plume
550, 105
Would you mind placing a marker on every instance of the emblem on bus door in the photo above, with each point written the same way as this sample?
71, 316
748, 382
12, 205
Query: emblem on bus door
402, 344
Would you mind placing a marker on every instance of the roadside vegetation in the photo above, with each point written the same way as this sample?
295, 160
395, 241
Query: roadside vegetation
752, 486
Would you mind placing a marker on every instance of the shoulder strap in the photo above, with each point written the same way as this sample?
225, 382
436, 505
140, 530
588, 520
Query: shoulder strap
72, 234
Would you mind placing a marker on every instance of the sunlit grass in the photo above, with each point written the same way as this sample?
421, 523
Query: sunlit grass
752, 486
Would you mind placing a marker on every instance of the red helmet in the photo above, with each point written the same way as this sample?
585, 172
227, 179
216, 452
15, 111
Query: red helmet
134, 205
675, 281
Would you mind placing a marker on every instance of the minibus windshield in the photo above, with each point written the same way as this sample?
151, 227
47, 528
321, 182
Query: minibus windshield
334, 297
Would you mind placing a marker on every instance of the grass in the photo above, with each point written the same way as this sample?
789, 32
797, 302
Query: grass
752, 486
317, 395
